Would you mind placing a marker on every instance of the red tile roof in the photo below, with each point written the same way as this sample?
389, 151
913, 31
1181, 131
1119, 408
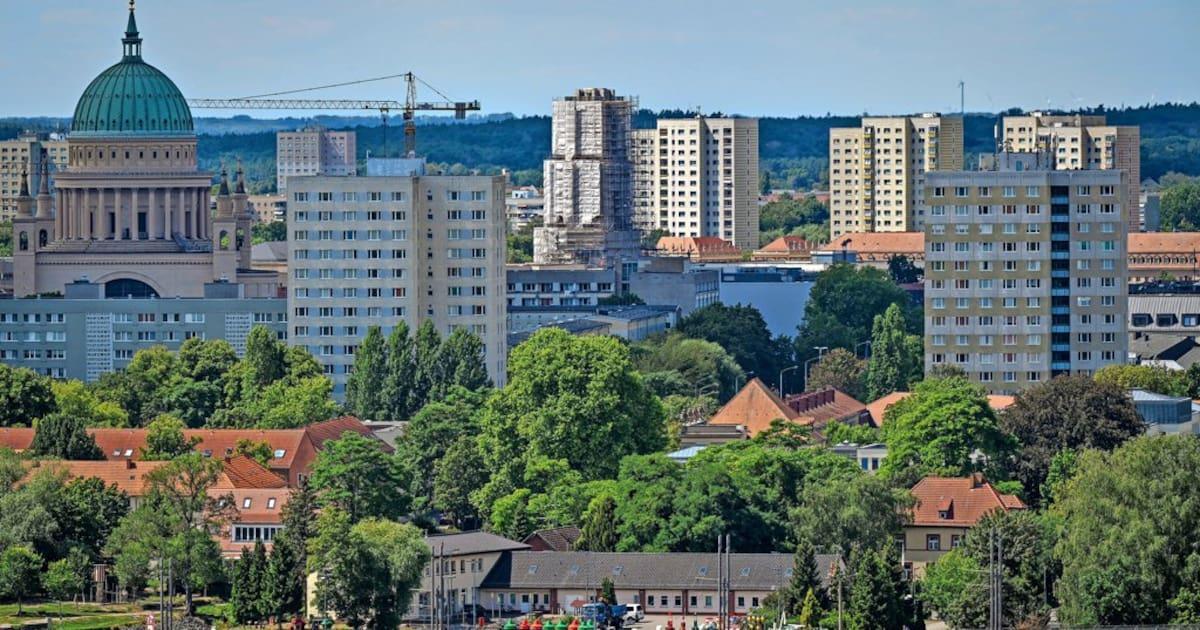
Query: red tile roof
821, 407
241, 471
322, 432
878, 408
127, 476
962, 500
754, 407
1164, 243
875, 244
788, 246
698, 247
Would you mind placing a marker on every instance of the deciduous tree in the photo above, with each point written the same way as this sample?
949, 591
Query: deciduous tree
20, 569
355, 475
365, 385
399, 386
896, 356
24, 396
60, 436
841, 370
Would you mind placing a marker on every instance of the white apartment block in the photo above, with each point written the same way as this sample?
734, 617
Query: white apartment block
1079, 142
1025, 272
374, 251
23, 156
698, 177
313, 151
877, 170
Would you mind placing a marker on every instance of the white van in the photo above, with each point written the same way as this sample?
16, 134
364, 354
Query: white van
634, 613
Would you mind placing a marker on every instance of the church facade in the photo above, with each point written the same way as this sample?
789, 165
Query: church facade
131, 211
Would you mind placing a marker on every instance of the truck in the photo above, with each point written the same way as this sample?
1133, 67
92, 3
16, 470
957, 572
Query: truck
604, 616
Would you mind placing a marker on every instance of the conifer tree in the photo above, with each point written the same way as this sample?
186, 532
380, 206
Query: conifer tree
400, 382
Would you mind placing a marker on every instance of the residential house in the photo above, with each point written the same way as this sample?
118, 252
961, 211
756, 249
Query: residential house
698, 248
756, 406
877, 408
465, 560
555, 539
946, 509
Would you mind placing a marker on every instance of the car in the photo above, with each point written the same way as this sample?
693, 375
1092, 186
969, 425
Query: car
634, 613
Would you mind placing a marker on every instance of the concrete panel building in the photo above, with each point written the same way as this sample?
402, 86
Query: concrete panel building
84, 335
374, 251
588, 182
877, 170
1079, 142
313, 150
1025, 272
698, 177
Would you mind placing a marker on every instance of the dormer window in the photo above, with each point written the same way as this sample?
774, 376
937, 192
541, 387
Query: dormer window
246, 503
944, 515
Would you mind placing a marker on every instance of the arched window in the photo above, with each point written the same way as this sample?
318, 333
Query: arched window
128, 288
223, 240
23, 241
43, 239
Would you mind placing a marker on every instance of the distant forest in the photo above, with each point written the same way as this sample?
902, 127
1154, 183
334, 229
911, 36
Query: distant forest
793, 151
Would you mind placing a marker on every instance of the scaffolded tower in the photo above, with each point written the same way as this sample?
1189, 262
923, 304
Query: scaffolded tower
589, 182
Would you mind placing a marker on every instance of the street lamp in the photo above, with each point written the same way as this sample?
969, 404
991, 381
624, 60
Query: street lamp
820, 352
737, 384
781, 373
866, 343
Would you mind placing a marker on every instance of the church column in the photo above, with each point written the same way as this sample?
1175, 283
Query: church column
86, 220
185, 227
76, 214
194, 202
205, 215
167, 229
134, 230
152, 229
119, 223
60, 209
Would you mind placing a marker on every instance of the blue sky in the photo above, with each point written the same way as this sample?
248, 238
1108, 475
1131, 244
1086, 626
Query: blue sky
746, 56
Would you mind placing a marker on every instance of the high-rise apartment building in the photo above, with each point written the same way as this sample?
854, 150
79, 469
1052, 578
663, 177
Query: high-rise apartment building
588, 182
1078, 142
313, 151
22, 156
877, 170
1025, 272
698, 177
375, 251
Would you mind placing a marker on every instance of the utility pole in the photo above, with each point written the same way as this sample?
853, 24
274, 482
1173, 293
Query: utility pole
838, 568
995, 580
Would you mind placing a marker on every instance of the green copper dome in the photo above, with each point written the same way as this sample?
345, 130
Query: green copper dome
132, 98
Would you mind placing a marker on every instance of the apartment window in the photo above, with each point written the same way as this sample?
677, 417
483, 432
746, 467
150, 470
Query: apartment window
961, 191
939, 191
478, 195
375, 196
398, 196
1106, 191
1009, 191
1032, 191
933, 542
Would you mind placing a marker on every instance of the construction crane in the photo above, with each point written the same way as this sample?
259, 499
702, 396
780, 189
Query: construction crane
384, 107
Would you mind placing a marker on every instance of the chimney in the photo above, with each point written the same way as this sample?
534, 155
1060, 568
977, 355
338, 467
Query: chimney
977, 480
130, 464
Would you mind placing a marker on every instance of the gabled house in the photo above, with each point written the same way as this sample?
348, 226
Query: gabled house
946, 508
756, 406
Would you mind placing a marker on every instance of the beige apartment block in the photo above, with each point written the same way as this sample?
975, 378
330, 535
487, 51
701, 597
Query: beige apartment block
313, 150
375, 251
1079, 142
697, 177
22, 156
1025, 272
877, 170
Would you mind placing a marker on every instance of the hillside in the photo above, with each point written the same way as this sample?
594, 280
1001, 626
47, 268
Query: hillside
792, 150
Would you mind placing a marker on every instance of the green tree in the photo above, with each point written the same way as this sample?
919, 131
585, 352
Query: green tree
837, 432
88, 513
287, 571
246, 586
805, 582
842, 513
938, 429
11, 469
289, 404
264, 359
703, 367
876, 590
1126, 518
810, 610
146, 380
902, 270
67, 577
365, 385
510, 515
179, 522
743, 333
458, 473
206, 360
431, 431
428, 370
24, 396
1180, 210
76, 400
608, 592
20, 569
399, 387
269, 231
1066, 413
355, 475
952, 586
843, 304
565, 396
1151, 378
1027, 542
369, 568
464, 361
896, 356
841, 370
165, 439
599, 532
59, 436
260, 452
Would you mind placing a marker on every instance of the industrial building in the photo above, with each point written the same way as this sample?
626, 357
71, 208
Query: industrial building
588, 182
